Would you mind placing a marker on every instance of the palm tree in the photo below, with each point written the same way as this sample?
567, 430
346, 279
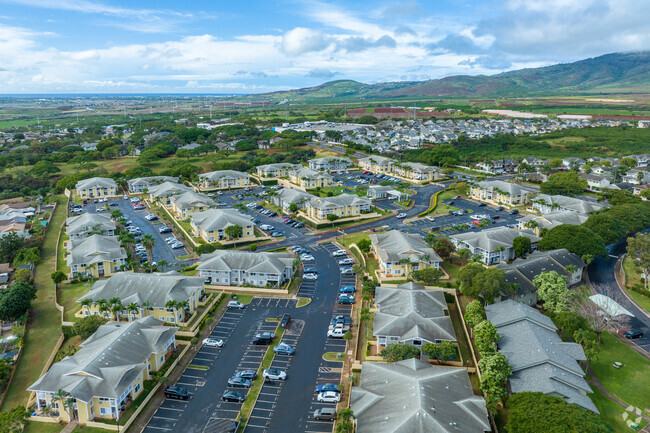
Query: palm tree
162, 264
65, 399
133, 308
406, 262
148, 242
531, 224
146, 305
86, 303
103, 307
126, 239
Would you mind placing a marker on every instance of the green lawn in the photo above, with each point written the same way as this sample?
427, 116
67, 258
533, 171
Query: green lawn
348, 240
631, 382
67, 296
461, 340
612, 412
244, 299
44, 325
633, 278
302, 302
640, 299
41, 427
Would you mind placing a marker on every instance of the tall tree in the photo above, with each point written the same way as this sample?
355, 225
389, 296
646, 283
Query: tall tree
485, 337
552, 290
443, 351
564, 183
495, 371
577, 239
638, 248
399, 352
474, 313
444, 247
522, 246
428, 276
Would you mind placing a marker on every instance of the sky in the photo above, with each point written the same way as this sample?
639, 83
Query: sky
237, 47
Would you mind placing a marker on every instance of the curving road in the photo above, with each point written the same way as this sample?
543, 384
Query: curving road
603, 280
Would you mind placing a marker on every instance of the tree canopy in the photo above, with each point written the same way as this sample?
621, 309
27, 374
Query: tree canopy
534, 412
552, 289
15, 300
564, 183
399, 352
577, 239
482, 283
87, 326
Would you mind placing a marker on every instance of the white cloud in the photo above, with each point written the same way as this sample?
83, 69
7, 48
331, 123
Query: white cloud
301, 40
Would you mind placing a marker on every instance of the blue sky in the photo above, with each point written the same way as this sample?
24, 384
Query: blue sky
112, 46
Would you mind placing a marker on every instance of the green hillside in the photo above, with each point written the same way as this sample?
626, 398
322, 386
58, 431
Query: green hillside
610, 73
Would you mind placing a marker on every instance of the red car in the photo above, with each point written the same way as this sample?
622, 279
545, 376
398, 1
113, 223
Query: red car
366, 172
138, 206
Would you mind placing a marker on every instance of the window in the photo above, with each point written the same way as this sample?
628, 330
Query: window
105, 411
136, 389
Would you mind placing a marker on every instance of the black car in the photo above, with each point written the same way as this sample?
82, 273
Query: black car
233, 396
513, 212
285, 321
632, 334
239, 382
247, 374
482, 204
273, 214
500, 208
263, 338
176, 392
311, 271
164, 229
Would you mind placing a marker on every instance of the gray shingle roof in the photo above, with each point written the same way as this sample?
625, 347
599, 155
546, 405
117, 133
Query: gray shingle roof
156, 289
149, 181
219, 219
491, 239
223, 174
290, 195
94, 249
190, 199
570, 203
412, 396
553, 219
87, 222
96, 182
270, 263
410, 311
338, 201
167, 189
541, 361
508, 187
108, 361
395, 245
304, 172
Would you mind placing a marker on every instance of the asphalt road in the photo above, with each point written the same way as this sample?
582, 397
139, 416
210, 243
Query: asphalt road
601, 275
161, 251
283, 406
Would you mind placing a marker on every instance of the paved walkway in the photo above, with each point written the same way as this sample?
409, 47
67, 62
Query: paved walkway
69, 427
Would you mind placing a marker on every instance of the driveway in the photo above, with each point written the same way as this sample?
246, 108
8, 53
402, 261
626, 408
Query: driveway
161, 251
601, 276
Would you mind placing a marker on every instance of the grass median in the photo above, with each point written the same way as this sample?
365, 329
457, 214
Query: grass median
254, 391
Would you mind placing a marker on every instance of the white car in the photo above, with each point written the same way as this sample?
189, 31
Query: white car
213, 342
150, 217
400, 215
430, 218
329, 397
171, 240
336, 333
306, 257
176, 245
126, 197
310, 277
274, 374
266, 227
339, 253
135, 200
346, 261
236, 305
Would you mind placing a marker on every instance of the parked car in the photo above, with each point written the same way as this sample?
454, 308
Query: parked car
138, 206
277, 234
341, 318
339, 253
177, 245
327, 387
285, 321
164, 229
150, 217
325, 414
347, 289
126, 197
310, 276
233, 396
236, 305
347, 271
311, 271
239, 382
400, 215
500, 208
284, 349
134, 200
632, 334
247, 374
170, 240
329, 397
176, 392
346, 299
346, 261
275, 374
213, 342
342, 326
306, 257
298, 225
336, 332
513, 212
482, 204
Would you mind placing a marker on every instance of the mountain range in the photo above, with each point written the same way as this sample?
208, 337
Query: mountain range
618, 73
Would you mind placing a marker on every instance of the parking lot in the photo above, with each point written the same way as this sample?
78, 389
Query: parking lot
161, 250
